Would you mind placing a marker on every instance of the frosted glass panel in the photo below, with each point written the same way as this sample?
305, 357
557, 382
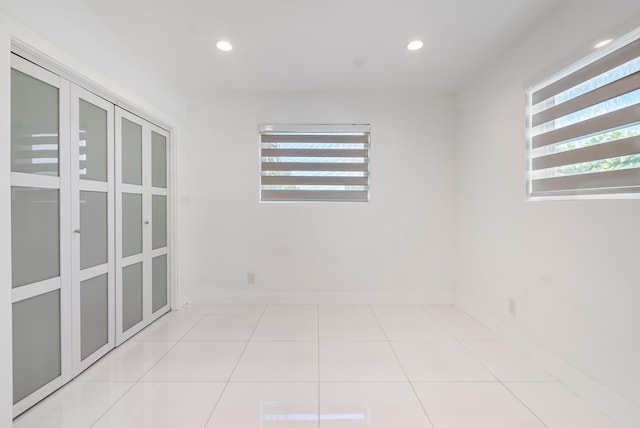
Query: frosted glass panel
35, 235
159, 289
93, 227
158, 160
36, 343
131, 296
131, 224
93, 142
94, 319
34, 125
159, 221
131, 152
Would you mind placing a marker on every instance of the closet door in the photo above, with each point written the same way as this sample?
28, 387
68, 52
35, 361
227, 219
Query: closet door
40, 233
159, 222
92, 188
141, 224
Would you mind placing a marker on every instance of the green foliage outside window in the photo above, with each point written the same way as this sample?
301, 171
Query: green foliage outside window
622, 162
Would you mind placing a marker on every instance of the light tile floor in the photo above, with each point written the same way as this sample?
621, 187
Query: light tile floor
320, 366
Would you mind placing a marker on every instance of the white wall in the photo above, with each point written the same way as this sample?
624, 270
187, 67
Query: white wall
398, 247
570, 266
62, 31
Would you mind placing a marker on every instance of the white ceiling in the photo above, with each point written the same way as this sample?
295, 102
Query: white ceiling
306, 45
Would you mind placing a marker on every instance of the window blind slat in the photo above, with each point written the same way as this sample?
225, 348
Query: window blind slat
620, 87
315, 138
271, 180
604, 64
613, 149
609, 179
615, 119
591, 192
315, 195
311, 166
325, 153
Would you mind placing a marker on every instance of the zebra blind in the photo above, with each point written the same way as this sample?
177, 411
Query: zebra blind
319, 163
585, 129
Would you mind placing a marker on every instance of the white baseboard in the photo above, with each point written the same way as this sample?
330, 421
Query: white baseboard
618, 409
320, 297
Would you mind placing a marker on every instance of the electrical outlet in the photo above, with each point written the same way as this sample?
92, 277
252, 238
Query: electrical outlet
251, 278
512, 307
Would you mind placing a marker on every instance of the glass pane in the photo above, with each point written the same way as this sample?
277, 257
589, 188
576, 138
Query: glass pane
131, 224
93, 142
94, 318
34, 125
131, 296
131, 152
36, 343
159, 287
35, 235
159, 221
93, 228
158, 160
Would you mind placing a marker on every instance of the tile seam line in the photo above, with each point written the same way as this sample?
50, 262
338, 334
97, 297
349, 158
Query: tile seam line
493, 374
415, 393
226, 384
139, 380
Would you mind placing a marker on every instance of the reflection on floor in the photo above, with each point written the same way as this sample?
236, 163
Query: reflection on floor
343, 366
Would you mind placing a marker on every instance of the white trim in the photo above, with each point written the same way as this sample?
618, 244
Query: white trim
95, 186
131, 188
147, 231
66, 234
35, 289
622, 412
93, 272
159, 252
132, 260
174, 298
20, 179
317, 127
119, 263
158, 191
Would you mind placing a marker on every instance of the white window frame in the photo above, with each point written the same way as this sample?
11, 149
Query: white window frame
553, 147
316, 168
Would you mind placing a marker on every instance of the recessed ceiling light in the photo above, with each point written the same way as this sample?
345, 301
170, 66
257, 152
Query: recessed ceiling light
602, 43
223, 45
415, 45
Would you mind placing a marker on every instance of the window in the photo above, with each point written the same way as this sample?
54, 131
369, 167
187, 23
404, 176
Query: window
314, 163
584, 128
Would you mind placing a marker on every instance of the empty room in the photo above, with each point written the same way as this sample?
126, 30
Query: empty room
350, 214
